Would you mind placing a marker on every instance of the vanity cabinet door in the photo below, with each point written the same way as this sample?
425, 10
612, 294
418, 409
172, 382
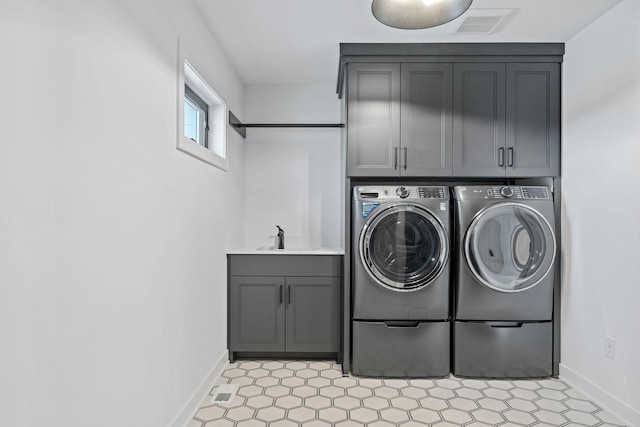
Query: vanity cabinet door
256, 313
313, 314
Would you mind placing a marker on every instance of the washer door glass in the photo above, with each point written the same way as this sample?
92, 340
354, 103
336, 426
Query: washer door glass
509, 247
403, 247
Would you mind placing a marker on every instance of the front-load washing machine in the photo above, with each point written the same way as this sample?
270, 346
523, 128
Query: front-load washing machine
506, 247
400, 253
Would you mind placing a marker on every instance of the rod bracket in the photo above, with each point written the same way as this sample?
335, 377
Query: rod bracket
235, 123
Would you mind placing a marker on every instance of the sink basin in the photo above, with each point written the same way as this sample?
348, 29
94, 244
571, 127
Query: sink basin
270, 250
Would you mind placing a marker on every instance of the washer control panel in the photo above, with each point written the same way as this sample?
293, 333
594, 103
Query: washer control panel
431, 192
401, 192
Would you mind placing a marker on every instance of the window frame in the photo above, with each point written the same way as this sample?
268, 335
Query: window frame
215, 153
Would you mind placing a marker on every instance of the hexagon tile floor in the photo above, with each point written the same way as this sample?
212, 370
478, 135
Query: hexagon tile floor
315, 394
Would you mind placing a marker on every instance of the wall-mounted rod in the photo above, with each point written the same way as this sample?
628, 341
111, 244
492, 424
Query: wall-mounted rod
241, 127
292, 125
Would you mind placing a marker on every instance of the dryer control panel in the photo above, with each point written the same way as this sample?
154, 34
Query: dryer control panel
535, 193
505, 192
501, 192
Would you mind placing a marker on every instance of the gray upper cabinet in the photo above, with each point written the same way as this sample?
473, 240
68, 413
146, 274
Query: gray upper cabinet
373, 111
479, 125
426, 93
506, 119
533, 120
399, 119
486, 110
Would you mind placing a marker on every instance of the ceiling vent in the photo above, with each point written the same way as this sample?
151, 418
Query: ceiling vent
479, 21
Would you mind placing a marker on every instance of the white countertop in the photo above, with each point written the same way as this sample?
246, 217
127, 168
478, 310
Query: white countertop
292, 251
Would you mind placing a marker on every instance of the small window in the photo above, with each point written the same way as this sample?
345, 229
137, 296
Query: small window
196, 117
201, 115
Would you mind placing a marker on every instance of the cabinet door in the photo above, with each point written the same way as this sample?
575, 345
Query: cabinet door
425, 116
533, 120
256, 313
313, 314
479, 120
373, 119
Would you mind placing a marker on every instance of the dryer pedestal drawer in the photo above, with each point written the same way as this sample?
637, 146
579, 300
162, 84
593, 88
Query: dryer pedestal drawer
401, 349
502, 349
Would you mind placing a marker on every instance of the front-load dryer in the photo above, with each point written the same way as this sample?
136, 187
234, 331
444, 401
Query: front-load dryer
506, 248
401, 256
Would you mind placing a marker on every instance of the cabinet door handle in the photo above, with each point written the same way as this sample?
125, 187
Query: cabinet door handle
510, 156
402, 324
501, 156
405, 157
280, 294
505, 324
395, 157
289, 295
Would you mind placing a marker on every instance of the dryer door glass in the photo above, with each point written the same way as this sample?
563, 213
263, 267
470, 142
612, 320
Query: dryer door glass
509, 247
404, 247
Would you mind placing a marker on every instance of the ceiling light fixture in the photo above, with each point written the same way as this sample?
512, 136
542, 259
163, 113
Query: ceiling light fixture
418, 14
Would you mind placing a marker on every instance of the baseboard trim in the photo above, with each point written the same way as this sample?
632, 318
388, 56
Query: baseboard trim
606, 400
193, 404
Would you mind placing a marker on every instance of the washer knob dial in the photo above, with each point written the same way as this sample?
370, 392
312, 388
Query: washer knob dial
506, 192
402, 192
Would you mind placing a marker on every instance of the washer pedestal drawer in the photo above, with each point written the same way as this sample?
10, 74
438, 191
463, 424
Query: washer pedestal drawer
401, 349
502, 349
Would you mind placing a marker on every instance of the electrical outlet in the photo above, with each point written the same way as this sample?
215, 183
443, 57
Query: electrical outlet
610, 348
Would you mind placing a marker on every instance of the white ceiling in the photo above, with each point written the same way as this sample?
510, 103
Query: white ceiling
297, 41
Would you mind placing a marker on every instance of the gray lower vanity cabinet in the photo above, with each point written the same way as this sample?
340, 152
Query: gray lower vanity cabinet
506, 119
399, 119
284, 304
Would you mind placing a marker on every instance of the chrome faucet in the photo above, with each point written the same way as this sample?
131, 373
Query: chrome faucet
280, 237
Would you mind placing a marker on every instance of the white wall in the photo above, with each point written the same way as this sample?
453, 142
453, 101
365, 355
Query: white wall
293, 177
601, 220
112, 242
